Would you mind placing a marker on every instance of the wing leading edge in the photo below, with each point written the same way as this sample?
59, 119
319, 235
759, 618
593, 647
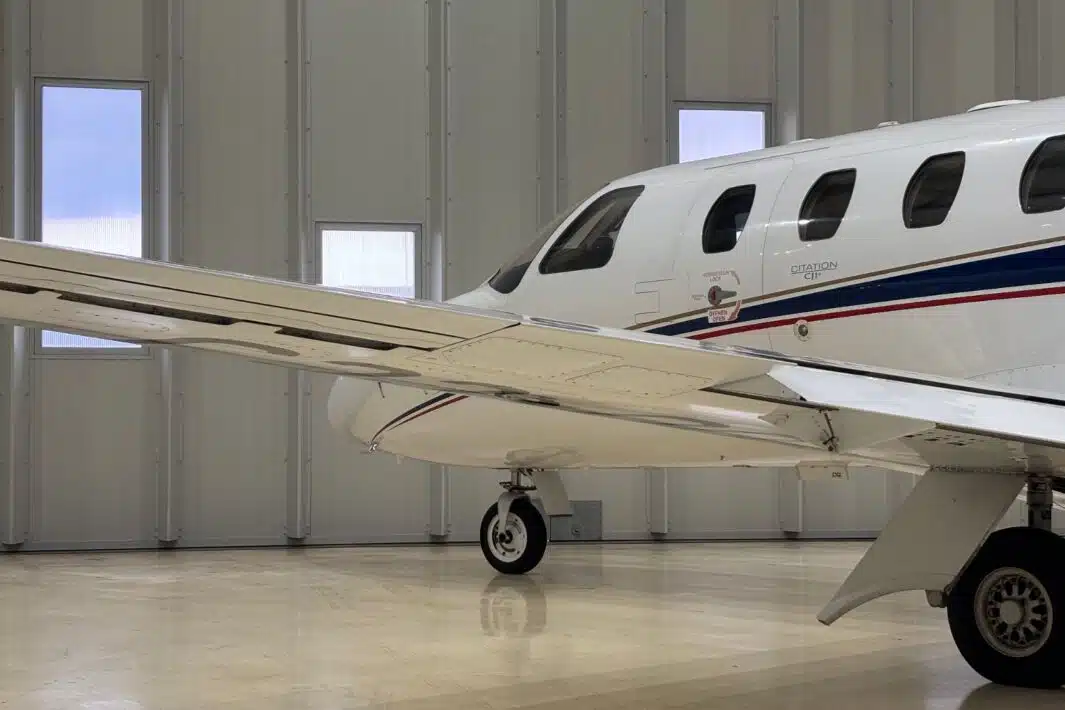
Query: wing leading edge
824, 406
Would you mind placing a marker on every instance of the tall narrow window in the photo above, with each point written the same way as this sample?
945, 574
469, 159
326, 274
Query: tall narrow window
932, 190
91, 178
713, 130
825, 205
377, 258
1043, 180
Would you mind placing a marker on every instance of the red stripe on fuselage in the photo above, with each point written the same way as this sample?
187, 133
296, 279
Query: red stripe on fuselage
886, 308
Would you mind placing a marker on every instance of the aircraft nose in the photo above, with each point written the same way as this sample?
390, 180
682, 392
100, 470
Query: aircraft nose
346, 399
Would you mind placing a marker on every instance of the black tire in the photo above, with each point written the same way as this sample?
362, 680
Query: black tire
1040, 555
535, 529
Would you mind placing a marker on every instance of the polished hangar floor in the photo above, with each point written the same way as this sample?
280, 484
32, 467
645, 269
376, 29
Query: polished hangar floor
640, 627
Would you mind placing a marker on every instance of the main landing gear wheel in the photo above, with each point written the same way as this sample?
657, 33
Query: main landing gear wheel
518, 545
1007, 610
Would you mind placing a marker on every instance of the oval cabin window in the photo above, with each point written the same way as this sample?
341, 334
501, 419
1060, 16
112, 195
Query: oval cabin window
1043, 179
726, 219
825, 205
932, 190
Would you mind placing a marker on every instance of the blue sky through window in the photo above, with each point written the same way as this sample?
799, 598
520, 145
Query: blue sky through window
91, 141
91, 178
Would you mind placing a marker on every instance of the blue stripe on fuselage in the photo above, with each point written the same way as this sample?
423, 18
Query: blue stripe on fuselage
1028, 268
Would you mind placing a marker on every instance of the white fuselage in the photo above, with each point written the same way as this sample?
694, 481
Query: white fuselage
975, 296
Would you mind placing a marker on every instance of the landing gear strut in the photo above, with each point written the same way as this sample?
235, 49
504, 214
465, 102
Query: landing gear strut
1007, 609
513, 532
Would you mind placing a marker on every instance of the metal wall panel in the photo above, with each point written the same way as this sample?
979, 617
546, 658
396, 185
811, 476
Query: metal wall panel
92, 457
624, 496
92, 462
357, 497
729, 50
604, 138
492, 138
368, 112
234, 412
1041, 56
100, 39
958, 55
368, 120
723, 504
845, 65
854, 508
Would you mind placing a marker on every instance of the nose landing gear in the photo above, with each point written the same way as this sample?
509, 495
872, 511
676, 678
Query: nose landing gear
513, 532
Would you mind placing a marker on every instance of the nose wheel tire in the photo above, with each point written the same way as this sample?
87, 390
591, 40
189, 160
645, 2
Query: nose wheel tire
1007, 610
517, 545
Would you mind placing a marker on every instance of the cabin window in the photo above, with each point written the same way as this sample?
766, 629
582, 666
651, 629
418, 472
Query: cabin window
588, 242
932, 190
726, 219
825, 205
1043, 180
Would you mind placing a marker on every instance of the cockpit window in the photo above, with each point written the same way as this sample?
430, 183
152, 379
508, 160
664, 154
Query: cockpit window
510, 274
588, 242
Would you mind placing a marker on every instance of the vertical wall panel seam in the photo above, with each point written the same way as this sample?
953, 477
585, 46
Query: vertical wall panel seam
788, 71
676, 60
562, 195
653, 85
17, 472
437, 70
901, 86
300, 234
163, 41
547, 116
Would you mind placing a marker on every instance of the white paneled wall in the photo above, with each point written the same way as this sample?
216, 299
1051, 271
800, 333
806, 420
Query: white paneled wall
729, 50
442, 116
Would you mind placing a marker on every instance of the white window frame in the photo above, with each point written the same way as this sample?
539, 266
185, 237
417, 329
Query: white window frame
765, 107
139, 352
420, 259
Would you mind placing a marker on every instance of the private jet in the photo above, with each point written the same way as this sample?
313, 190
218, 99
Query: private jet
886, 299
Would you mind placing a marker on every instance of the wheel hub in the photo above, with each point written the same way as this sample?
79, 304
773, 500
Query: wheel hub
1014, 612
509, 543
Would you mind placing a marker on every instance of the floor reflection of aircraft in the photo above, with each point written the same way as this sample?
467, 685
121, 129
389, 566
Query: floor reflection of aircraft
513, 606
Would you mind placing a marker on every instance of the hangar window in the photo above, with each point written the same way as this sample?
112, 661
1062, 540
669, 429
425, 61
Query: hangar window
825, 205
90, 157
1043, 180
932, 190
368, 257
588, 242
726, 219
716, 129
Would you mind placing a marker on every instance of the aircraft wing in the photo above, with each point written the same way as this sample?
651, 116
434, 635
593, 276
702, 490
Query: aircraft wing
822, 405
